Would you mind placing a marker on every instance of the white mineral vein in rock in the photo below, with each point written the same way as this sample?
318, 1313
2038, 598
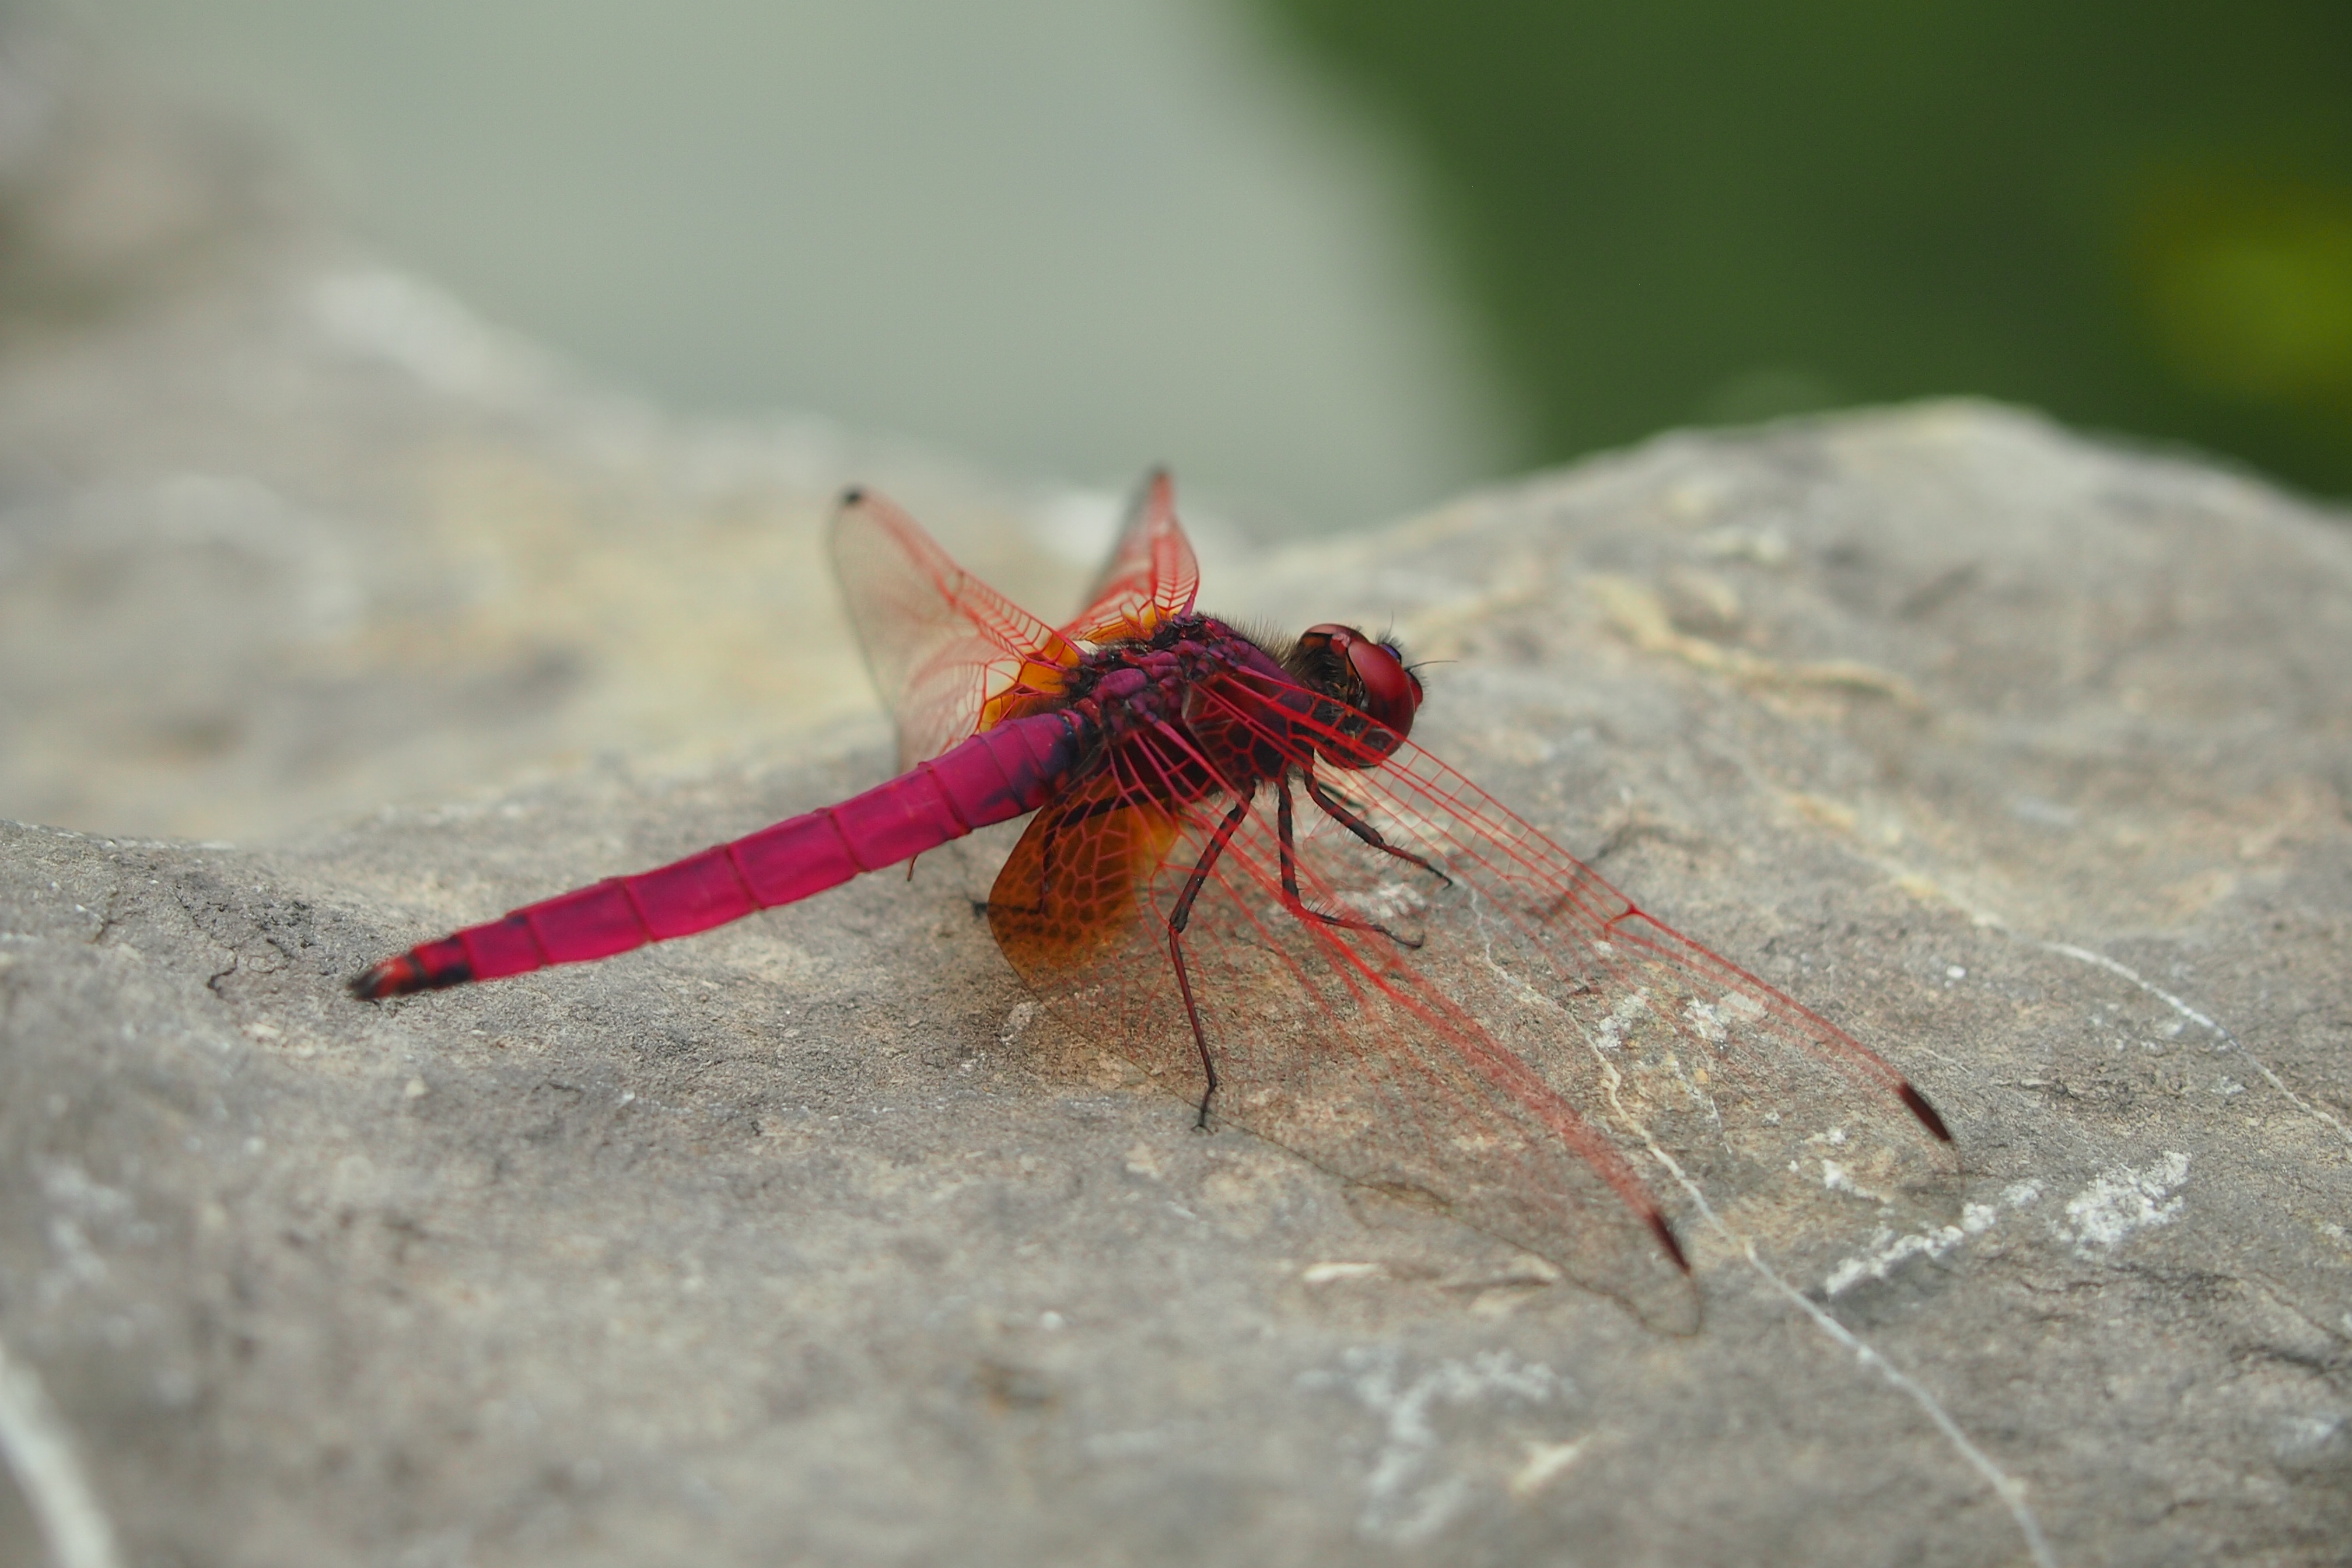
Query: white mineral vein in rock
2123, 1200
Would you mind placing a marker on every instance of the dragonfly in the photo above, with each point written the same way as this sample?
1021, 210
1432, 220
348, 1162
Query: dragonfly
1242, 876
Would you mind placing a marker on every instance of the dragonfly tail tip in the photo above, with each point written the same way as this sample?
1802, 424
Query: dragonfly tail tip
1926, 1112
400, 975
392, 977
1666, 1239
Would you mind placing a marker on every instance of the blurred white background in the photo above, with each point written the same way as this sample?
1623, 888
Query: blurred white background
1066, 239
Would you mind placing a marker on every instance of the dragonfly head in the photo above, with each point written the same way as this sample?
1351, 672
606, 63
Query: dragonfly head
1368, 675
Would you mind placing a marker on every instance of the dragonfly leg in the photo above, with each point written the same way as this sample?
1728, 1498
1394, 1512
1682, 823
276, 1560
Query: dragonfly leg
1337, 810
1181, 916
1291, 898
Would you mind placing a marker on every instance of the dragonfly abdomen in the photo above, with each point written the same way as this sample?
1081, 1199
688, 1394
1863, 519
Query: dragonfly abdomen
996, 775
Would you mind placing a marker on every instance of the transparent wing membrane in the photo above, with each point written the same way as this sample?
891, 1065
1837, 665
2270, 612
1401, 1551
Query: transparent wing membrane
950, 654
1150, 577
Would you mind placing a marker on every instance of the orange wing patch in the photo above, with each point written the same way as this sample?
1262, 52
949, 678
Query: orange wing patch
1070, 891
1037, 687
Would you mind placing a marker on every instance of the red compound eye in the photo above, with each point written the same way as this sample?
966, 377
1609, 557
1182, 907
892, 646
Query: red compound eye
1392, 693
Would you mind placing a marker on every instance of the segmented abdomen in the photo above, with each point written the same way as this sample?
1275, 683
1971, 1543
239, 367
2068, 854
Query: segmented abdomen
996, 775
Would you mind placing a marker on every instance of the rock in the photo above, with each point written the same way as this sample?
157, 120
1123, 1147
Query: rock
2023, 759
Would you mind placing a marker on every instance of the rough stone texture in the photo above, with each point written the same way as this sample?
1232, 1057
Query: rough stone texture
2025, 759
772, 1244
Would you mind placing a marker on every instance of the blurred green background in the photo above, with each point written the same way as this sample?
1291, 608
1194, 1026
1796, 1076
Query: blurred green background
1337, 259
2137, 215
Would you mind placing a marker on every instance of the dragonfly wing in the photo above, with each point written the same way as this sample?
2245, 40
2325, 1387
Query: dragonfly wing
1071, 886
1151, 576
950, 654
1677, 1054
1326, 1040
1518, 1043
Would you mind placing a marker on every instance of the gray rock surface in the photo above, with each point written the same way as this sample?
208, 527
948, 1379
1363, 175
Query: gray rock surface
2024, 759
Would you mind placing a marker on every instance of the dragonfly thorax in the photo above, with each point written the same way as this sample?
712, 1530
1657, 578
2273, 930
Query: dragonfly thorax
1129, 686
1240, 713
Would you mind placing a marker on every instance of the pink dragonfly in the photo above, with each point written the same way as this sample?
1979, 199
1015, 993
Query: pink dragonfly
1242, 876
